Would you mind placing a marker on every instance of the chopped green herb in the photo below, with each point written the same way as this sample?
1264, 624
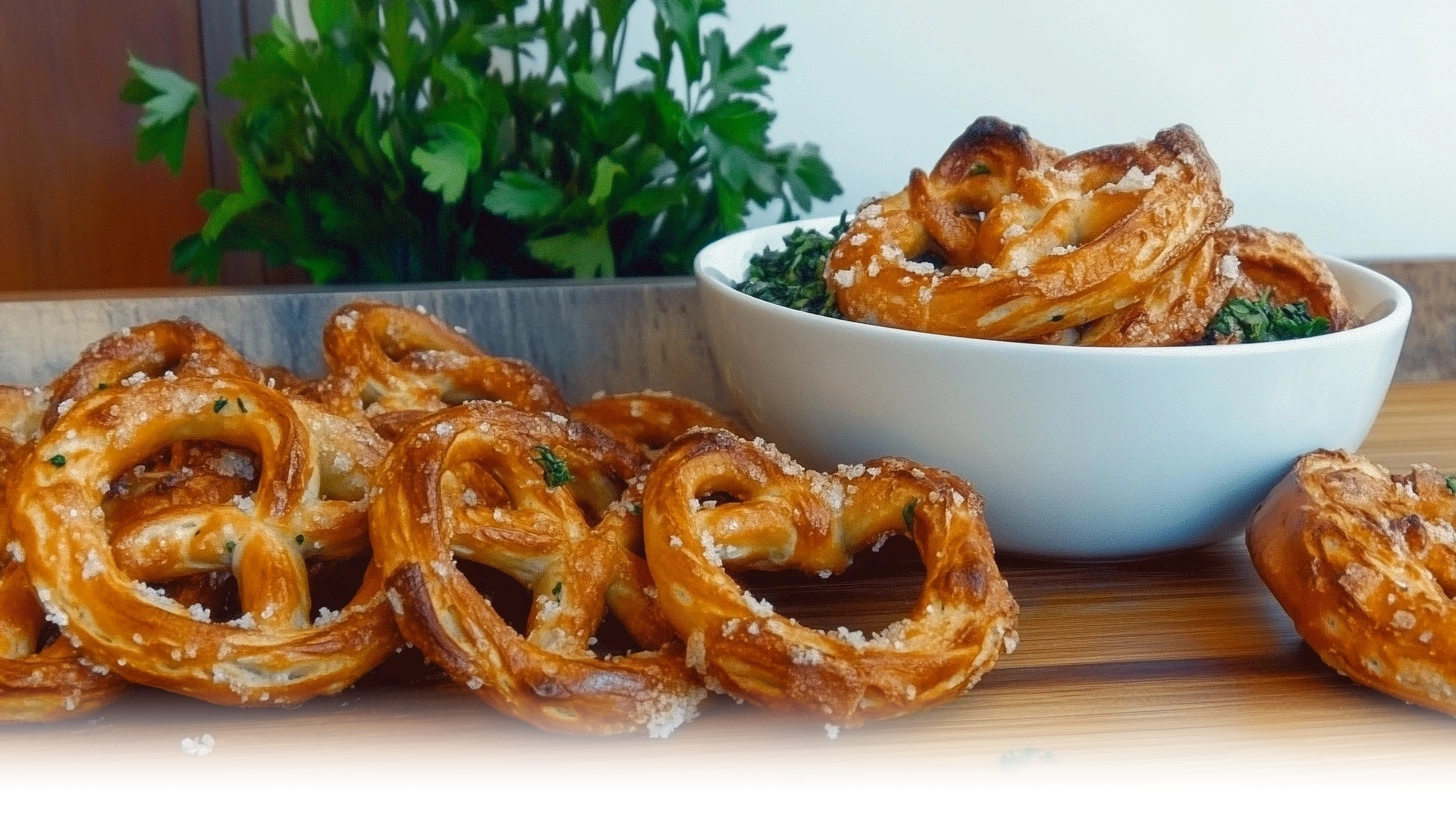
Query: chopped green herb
553, 468
1260, 321
241, 407
230, 546
1057, 318
101, 386
1014, 759
636, 508
794, 276
58, 460
298, 539
556, 591
1451, 483
909, 514
979, 169
219, 404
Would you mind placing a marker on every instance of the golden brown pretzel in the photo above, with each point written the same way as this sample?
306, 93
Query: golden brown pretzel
179, 347
651, 419
1007, 239
1365, 564
385, 358
481, 482
39, 682
310, 503
784, 517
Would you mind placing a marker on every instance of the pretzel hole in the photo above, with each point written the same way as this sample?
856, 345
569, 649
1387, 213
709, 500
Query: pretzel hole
510, 599
882, 586
612, 638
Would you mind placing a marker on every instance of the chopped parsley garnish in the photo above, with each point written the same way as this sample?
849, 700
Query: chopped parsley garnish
1260, 321
1451, 483
1014, 759
58, 460
553, 468
101, 386
909, 514
230, 546
556, 591
241, 407
979, 169
298, 539
219, 404
636, 508
794, 276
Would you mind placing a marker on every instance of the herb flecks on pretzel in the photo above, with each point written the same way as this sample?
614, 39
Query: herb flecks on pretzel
539, 498
1007, 238
716, 504
97, 579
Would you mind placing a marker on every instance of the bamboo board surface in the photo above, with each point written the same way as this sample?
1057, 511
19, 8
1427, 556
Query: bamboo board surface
1174, 662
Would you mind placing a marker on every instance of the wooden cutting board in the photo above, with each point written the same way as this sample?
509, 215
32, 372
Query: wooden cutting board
1177, 675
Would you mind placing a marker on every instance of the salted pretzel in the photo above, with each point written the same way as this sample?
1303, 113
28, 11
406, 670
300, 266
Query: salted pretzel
486, 482
97, 581
180, 347
39, 682
717, 504
1365, 564
651, 419
384, 358
1009, 239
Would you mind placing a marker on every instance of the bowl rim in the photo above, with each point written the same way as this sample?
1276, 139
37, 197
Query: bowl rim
707, 271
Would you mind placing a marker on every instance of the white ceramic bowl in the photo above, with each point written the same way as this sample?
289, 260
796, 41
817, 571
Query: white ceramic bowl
1080, 453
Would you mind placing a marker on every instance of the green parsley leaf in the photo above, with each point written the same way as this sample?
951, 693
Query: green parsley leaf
794, 276
219, 404
448, 159
553, 468
556, 591
1015, 759
1260, 321
166, 99
909, 514
588, 254
1451, 483
979, 169
230, 546
58, 460
636, 508
241, 407
521, 195
298, 539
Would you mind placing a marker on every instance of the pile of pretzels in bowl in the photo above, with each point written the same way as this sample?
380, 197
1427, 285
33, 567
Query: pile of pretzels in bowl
181, 518
1007, 238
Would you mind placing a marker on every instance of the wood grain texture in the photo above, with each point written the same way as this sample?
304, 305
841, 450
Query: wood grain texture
76, 210
1430, 344
1176, 662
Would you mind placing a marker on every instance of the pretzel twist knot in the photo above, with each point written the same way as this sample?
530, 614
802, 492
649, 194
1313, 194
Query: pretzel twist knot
489, 484
93, 574
1365, 564
384, 358
1007, 238
781, 516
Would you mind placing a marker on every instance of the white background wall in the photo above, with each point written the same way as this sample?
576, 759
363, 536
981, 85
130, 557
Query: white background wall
1335, 120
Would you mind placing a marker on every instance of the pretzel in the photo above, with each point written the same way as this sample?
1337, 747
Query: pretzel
181, 347
782, 516
1364, 563
651, 419
1007, 239
1281, 264
472, 482
384, 358
314, 475
39, 682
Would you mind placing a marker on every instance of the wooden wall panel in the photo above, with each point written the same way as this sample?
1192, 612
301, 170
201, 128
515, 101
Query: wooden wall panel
76, 210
